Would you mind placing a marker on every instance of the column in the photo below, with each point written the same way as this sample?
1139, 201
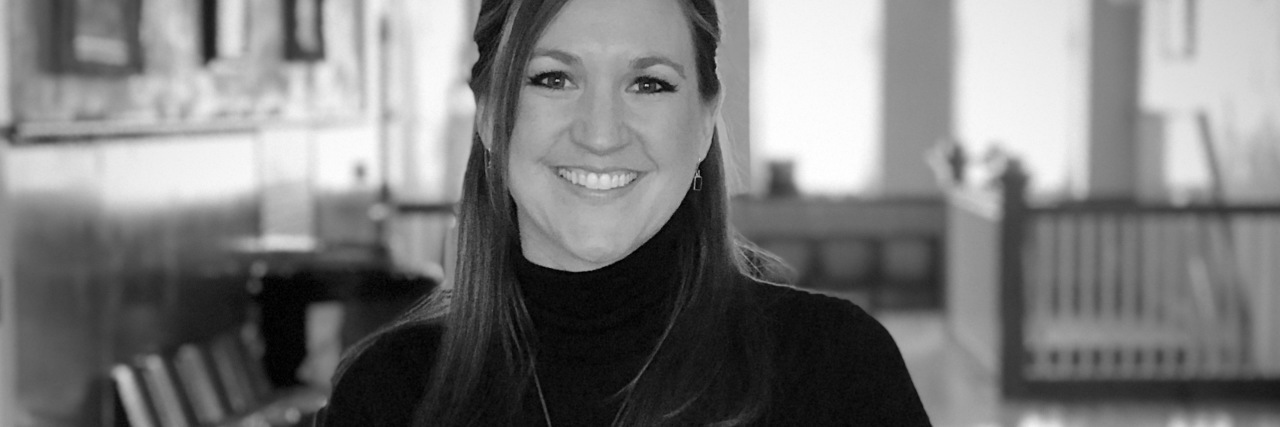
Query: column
917, 94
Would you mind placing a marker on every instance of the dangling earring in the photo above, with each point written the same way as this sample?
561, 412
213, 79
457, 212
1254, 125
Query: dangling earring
697, 180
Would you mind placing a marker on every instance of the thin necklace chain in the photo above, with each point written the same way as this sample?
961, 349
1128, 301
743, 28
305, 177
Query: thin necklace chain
546, 415
542, 398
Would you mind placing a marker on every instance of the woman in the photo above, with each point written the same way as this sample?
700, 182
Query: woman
597, 280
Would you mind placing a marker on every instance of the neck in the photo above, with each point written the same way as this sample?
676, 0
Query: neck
634, 283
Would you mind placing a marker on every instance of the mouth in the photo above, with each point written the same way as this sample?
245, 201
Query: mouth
599, 181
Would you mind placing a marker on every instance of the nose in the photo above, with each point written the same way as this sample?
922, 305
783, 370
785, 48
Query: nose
599, 126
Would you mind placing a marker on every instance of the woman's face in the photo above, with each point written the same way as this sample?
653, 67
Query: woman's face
609, 131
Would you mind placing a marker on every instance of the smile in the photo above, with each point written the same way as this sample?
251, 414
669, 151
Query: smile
597, 181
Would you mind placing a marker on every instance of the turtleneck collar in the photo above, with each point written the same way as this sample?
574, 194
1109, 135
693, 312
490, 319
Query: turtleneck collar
613, 311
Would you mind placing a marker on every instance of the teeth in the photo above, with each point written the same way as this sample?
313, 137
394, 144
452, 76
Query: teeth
596, 181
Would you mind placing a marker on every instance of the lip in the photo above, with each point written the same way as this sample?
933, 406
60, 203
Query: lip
596, 193
599, 170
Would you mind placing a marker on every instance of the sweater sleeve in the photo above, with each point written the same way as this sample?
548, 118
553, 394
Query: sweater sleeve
383, 382
844, 369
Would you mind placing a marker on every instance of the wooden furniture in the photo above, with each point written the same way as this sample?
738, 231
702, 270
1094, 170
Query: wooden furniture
1114, 299
215, 383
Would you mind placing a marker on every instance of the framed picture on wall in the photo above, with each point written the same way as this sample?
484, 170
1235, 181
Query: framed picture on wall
226, 29
304, 30
97, 37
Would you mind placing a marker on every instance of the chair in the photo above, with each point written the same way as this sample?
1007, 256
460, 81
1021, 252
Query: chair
133, 398
229, 366
166, 397
215, 383
198, 381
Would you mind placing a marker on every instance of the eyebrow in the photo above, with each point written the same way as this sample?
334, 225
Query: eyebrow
636, 64
559, 55
649, 61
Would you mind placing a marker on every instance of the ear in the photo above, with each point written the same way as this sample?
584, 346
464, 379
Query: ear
483, 125
711, 121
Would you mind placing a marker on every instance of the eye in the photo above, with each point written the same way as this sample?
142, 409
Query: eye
652, 85
554, 80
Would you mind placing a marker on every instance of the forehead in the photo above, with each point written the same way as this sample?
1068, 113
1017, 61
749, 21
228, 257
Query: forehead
620, 27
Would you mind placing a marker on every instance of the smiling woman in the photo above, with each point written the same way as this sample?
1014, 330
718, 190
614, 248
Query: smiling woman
606, 104
598, 282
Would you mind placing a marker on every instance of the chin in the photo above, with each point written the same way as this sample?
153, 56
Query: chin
601, 250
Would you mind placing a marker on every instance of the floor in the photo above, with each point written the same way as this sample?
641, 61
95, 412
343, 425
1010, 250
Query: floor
957, 392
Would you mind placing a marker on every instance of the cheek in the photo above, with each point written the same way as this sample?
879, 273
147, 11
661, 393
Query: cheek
677, 140
528, 145
534, 126
537, 126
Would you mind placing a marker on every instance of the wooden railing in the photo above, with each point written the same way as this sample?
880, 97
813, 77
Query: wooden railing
1116, 298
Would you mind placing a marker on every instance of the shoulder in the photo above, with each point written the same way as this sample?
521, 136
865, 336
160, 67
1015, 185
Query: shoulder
835, 359
382, 378
804, 319
822, 316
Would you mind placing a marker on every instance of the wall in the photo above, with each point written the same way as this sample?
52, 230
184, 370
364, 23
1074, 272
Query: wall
1057, 84
1233, 75
135, 245
427, 56
6, 25
853, 93
8, 339
1020, 82
972, 256
816, 93
136, 241
735, 76
125, 250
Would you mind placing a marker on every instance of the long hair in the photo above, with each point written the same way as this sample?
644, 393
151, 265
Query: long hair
714, 362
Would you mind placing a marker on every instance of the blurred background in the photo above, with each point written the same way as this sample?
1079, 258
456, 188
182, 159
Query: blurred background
1067, 212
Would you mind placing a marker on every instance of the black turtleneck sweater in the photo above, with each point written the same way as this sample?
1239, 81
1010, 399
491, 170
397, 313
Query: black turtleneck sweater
834, 364
597, 328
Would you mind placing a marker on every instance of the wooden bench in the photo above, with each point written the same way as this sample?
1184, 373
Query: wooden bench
215, 383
